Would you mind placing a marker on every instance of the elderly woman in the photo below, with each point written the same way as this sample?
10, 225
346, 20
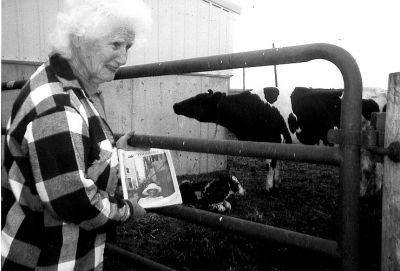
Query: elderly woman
152, 193
59, 199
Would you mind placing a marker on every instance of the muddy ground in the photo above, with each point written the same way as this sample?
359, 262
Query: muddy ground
306, 202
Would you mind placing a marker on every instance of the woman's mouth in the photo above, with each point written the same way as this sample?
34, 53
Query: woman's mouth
112, 68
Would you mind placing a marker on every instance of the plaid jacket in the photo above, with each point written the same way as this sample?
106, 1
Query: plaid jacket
53, 217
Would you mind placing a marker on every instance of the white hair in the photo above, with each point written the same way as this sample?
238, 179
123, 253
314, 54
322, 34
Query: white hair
84, 18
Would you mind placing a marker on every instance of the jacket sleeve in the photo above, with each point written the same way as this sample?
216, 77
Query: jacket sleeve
59, 144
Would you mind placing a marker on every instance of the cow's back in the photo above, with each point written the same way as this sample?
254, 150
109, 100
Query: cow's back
251, 119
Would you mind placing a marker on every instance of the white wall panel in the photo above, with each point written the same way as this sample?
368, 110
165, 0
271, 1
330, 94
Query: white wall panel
10, 46
31, 39
223, 30
178, 30
151, 46
213, 43
136, 55
190, 29
47, 11
203, 18
165, 32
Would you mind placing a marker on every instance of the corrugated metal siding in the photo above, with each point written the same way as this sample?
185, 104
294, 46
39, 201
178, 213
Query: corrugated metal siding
181, 29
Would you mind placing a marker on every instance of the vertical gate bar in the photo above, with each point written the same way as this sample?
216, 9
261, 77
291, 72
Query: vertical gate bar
349, 188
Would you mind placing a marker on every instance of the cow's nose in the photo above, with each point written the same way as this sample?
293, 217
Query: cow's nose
176, 108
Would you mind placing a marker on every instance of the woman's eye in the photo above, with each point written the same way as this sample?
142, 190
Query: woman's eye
116, 45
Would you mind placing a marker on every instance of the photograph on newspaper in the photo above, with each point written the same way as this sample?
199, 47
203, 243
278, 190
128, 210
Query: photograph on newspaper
149, 176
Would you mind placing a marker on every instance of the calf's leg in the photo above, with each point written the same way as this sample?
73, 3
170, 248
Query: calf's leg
273, 174
269, 183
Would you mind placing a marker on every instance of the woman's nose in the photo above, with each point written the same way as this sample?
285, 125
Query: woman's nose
122, 56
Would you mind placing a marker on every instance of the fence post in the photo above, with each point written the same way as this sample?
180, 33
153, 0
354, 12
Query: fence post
390, 257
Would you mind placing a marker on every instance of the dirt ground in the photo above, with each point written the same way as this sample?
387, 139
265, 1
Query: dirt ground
306, 202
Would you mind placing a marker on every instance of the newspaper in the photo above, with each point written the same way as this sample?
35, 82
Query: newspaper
149, 176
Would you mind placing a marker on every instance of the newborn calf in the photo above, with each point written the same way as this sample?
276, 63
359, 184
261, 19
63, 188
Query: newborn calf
211, 195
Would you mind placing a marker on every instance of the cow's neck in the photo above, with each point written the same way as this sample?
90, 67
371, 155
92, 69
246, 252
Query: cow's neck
227, 118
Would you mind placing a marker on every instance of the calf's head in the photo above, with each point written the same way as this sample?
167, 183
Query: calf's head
202, 107
234, 185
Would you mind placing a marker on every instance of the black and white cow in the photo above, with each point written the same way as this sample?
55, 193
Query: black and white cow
315, 111
245, 115
211, 195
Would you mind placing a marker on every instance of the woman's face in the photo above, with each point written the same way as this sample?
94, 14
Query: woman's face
152, 192
100, 58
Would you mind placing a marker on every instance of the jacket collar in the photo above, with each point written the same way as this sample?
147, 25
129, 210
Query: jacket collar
64, 73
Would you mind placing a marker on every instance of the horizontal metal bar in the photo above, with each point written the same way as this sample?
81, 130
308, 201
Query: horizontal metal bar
392, 151
291, 152
18, 84
141, 263
266, 57
379, 150
250, 229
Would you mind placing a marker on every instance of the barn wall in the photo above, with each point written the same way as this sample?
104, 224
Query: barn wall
181, 29
144, 105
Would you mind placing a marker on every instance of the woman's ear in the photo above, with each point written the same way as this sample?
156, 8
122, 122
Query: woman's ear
76, 40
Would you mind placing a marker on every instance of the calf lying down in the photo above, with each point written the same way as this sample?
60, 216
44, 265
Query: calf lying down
211, 195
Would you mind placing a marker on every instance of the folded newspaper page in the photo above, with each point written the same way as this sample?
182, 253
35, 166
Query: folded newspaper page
149, 176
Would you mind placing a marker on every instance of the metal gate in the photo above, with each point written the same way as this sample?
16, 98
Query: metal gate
346, 155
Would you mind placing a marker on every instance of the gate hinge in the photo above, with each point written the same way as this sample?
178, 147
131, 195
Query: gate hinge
372, 139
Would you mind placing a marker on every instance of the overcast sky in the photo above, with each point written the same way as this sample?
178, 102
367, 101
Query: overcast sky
368, 30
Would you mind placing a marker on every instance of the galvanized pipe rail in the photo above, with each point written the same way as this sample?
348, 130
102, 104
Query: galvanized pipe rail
141, 263
12, 85
250, 229
348, 152
295, 152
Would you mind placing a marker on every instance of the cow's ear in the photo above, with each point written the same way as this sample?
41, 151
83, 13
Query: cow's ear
210, 91
218, 95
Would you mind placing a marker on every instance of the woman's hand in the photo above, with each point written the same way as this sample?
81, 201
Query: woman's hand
122, 143
96, 169
138, 210
98, 166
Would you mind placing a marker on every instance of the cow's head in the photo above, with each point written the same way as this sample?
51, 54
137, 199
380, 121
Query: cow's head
202, 107
368, 107
234, 185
